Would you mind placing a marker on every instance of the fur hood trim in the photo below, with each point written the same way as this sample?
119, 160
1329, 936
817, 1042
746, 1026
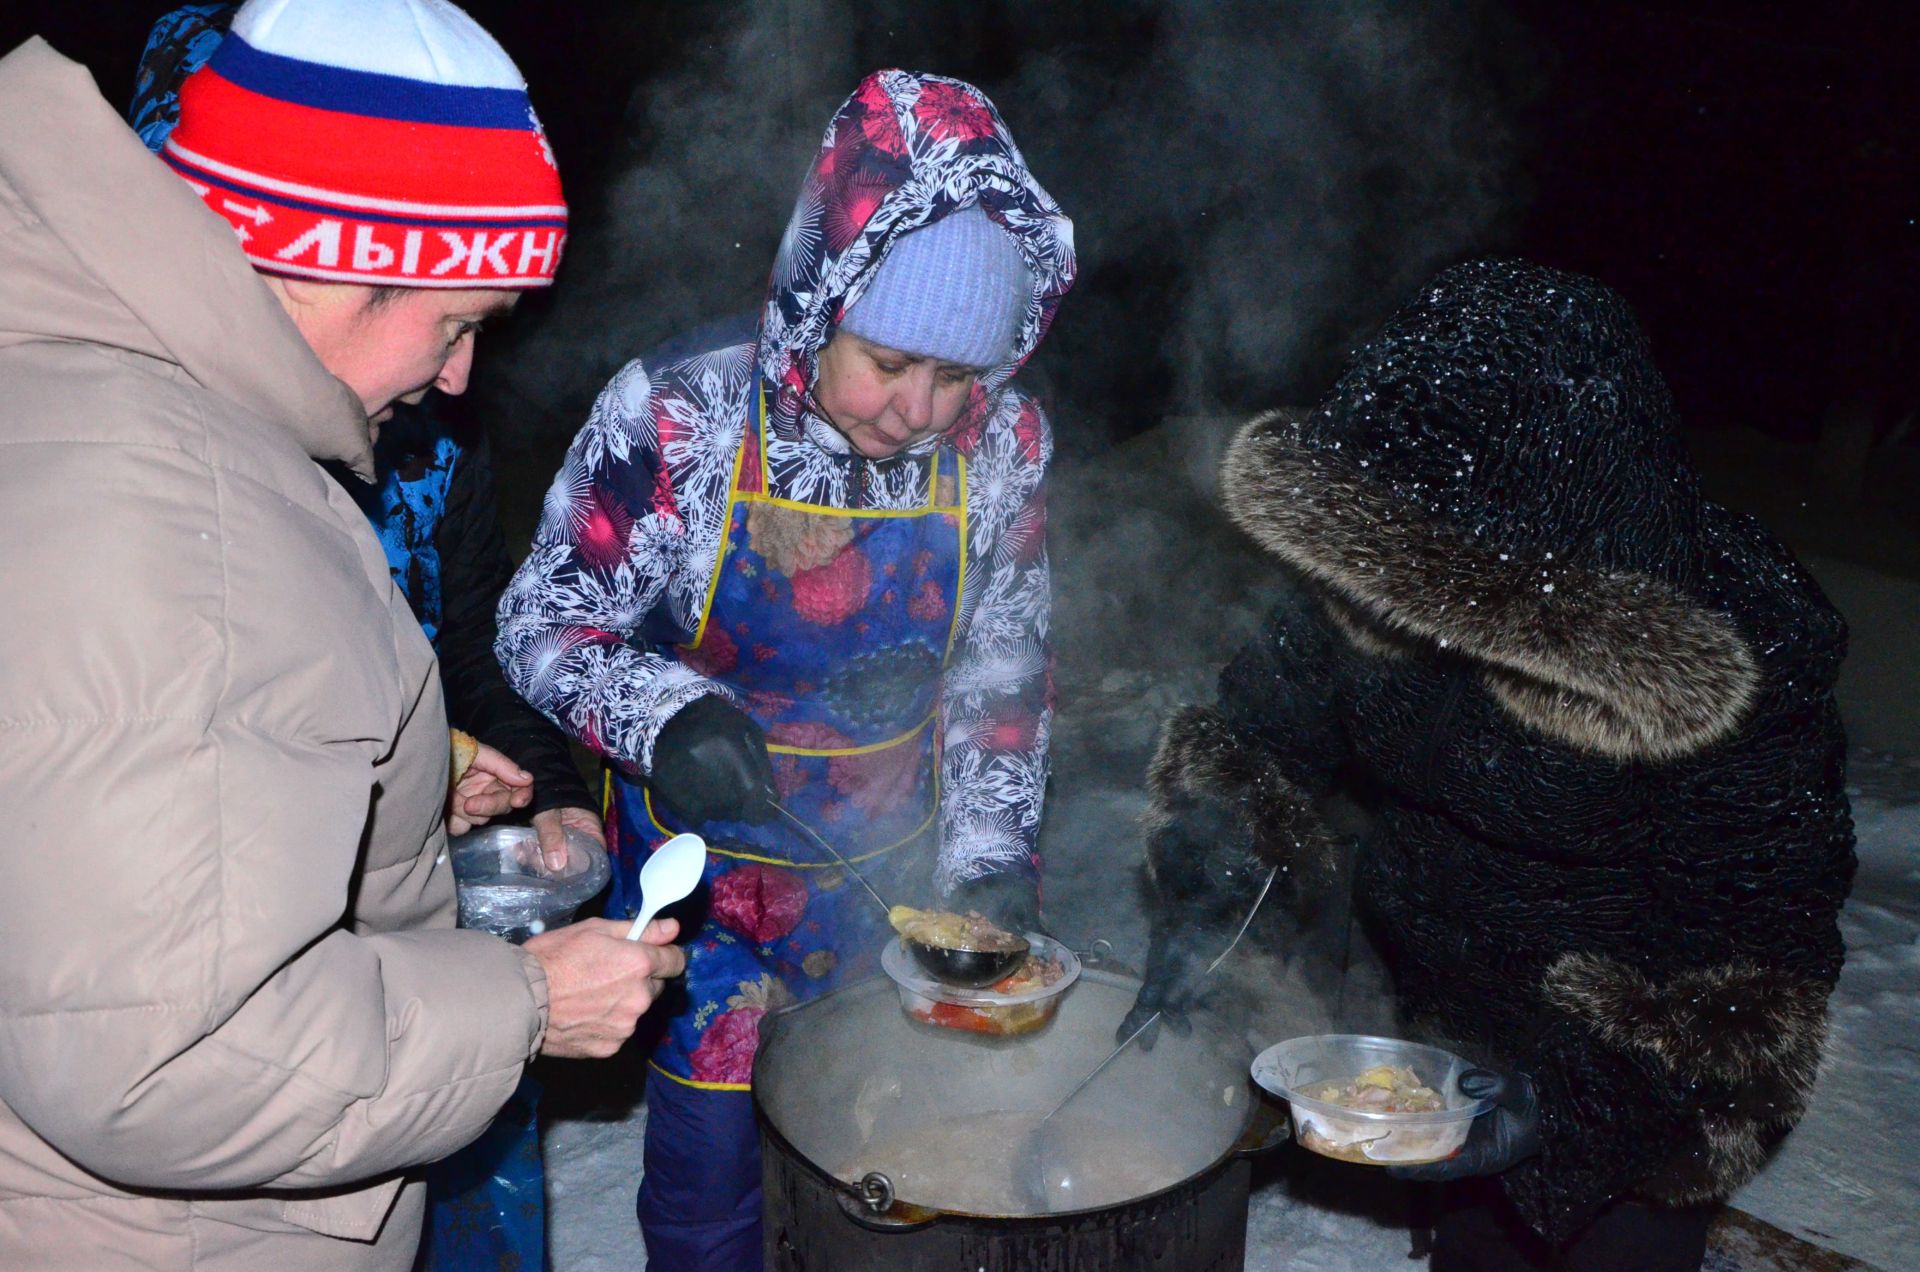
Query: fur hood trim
1736, 1023
1619, 664
1201, 759
1755, 1034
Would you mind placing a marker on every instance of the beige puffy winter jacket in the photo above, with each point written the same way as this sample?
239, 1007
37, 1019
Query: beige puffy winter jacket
232, 1008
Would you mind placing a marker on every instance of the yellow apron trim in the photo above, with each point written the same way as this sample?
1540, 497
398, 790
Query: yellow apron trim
868, 749
697, 1085
766, 474
735, 496
933, 812
726, 541
766, 484
821, 510
960, 582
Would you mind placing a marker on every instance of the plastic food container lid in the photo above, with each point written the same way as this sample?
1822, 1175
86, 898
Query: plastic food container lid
505, 887
910, 976
1290, 1068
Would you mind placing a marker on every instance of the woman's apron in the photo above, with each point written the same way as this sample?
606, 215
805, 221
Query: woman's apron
833, 627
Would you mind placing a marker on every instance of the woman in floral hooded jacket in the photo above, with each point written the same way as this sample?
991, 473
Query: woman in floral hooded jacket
813, 568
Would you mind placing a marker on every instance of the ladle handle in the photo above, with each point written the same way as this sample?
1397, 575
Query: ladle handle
1246, 922
1125, 1042
829, 849
1142, 1027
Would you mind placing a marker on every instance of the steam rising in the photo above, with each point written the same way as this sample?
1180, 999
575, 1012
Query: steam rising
1253, 187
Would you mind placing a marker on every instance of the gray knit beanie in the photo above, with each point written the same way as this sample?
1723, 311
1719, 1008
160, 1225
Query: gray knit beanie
955, 290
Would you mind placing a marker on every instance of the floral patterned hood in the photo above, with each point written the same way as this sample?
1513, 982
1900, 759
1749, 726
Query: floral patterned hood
903, 151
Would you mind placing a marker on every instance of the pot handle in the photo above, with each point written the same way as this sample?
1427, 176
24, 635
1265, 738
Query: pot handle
1098, 954
1268, 1129
871, 1204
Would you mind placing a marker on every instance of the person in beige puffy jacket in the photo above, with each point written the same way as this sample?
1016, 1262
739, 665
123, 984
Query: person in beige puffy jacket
234, 1010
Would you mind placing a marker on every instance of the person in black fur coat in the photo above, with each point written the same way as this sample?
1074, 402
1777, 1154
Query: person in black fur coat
1594, 715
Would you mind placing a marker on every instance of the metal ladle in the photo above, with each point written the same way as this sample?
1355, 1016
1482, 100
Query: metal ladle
969, 969
1032, 1168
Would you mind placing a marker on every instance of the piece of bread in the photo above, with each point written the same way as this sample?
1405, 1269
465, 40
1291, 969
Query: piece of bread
466, 748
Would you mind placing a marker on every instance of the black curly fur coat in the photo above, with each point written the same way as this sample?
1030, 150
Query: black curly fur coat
1594, 712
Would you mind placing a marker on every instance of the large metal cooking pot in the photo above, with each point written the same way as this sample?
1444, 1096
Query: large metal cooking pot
840, 1077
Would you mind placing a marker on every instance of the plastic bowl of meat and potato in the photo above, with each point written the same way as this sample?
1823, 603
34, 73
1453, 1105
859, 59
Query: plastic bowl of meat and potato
506, 888
1372, 1100
996, 1011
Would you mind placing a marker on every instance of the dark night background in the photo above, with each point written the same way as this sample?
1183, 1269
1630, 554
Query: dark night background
1254, 186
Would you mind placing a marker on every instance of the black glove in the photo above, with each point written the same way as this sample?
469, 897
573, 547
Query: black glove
1206, 878
1010, 900
1502, 1137
710, 764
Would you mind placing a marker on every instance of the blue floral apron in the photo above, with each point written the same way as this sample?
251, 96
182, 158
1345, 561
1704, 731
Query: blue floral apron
833, 627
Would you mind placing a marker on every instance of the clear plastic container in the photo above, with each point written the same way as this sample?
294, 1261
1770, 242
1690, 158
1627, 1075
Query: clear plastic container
505, 887
980, 1011
1298, 1066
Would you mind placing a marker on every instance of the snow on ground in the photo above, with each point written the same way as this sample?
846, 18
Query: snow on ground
1153, 593
1846, 1178
593, 1168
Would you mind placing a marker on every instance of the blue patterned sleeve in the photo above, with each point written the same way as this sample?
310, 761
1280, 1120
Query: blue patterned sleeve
996, 708
179, 44
583, 626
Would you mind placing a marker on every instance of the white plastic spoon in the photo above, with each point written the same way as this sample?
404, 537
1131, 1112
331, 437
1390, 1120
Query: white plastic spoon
669, 875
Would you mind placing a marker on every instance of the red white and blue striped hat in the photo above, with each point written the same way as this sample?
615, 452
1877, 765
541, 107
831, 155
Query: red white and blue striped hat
388, 142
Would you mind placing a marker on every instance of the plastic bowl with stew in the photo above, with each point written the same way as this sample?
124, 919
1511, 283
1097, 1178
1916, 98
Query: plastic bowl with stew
1018, 1005
1352, 1098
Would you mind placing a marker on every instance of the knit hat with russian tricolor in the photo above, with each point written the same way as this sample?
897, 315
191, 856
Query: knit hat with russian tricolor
388, 142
